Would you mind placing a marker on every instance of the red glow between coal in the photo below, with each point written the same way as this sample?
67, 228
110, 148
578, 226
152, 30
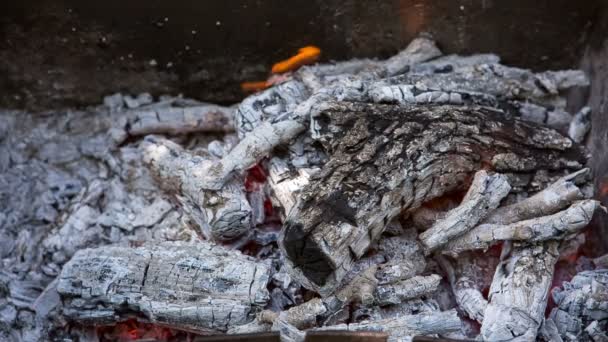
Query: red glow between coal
133, 330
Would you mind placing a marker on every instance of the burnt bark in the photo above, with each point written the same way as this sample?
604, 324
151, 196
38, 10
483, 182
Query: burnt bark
385, 159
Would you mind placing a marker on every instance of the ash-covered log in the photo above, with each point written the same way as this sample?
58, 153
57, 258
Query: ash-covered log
199, 287
385, 159
519, 292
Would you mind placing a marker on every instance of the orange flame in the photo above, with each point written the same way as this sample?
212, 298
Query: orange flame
252, 87
306, 55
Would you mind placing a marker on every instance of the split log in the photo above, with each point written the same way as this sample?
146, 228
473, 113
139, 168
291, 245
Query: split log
484, 195
222, 215
407, 326
201, 287
385, 159
519, 292
557, 226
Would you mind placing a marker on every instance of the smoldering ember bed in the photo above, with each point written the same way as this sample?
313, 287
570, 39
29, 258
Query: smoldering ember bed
427, 194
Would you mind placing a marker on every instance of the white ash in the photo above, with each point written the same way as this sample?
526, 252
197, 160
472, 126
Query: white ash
581, 312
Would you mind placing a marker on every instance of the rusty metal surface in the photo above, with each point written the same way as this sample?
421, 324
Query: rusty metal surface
259, 337
345, 336
71, 52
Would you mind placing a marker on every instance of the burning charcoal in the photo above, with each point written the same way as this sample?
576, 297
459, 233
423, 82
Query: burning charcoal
597, 331
200, 287
268, 105
221, 215
557, 226
403, 290
256, 145
506, 83
483, 196
179, 120
404, 258
344, 170
556, 118
252, 327
581, 313
518, 295
555, 197
8, 314
580, 125
466, 290
47, 301
548, 331
286, 182
302, 316
405, 156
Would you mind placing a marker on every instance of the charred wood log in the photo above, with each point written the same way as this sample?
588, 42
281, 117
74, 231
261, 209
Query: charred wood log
403, 290
386, 159
201, 287
519, 292
180, 120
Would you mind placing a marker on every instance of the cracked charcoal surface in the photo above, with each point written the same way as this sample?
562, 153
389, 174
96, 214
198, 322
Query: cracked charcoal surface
385, 159
200, 286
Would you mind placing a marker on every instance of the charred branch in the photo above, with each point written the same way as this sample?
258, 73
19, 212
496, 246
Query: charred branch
200, 287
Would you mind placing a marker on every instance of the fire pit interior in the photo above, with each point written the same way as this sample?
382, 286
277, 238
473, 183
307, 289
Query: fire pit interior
325, 171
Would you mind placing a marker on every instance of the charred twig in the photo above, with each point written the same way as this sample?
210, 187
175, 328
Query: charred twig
466, 292
483, 196
550, 227
222, 215
408, 325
